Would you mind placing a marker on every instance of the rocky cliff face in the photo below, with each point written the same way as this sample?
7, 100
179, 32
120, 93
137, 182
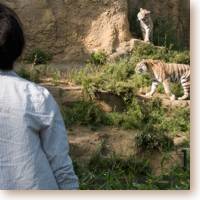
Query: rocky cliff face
71, 30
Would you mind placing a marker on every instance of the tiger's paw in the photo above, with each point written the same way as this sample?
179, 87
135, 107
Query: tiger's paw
147, 41
149, 94
172, 97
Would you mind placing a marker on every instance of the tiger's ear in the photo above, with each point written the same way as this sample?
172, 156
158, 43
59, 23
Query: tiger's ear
146, 62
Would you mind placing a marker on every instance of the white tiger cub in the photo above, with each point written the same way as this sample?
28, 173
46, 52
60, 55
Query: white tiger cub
146, 24
162, 72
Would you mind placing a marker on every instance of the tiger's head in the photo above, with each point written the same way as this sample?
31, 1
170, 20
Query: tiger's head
142, 67
143, 14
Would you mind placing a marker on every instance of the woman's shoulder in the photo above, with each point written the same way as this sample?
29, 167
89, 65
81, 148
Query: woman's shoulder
32, 87
34, 92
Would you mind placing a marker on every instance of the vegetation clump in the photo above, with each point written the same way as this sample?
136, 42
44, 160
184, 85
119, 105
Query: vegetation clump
84, 113
98, 58
38, 56
129, 174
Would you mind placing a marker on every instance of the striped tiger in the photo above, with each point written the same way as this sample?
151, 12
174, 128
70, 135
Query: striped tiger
165, 73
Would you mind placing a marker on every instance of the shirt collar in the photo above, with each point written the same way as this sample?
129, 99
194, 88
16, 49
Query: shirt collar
8, 73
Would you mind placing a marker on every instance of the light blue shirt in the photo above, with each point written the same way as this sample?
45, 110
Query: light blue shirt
33, 140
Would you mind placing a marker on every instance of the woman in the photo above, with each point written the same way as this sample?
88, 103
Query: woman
33, 139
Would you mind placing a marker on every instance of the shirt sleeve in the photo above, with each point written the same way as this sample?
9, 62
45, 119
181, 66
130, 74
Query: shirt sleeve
56, 147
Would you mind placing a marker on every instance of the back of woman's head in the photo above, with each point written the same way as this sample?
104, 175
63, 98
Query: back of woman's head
11, 38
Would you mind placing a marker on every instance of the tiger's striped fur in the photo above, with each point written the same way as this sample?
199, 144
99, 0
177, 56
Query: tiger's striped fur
165, 73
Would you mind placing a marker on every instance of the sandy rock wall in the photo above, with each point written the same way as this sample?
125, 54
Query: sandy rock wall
72, 29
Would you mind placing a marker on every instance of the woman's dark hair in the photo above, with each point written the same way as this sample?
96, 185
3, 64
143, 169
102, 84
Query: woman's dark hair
11, 38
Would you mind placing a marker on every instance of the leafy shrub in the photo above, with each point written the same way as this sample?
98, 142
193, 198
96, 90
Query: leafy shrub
180, 57
151, 138
82, 74
177, 89
83, 113
30, 74
112, 173
24, 73
176, 179
131, 119
149, 51
153, 135
56, 75
38, 56
178, 121
98, 58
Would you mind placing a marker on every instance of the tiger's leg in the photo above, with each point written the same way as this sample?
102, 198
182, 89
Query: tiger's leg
167, 90
154, 85
147, 34
145, 31
185, 82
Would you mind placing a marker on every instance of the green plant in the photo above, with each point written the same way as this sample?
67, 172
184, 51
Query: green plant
24, 73
149, 51
98, 58
176, 179
111, 173
38, 56
154, 136
30, 74
176, 89
180, 57
153, 139
177, 121
129, 119
83, 113
56, 76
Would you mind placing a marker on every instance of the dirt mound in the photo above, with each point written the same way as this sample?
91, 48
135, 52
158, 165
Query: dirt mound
165, 100
86, 143
64, 92
108, 141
